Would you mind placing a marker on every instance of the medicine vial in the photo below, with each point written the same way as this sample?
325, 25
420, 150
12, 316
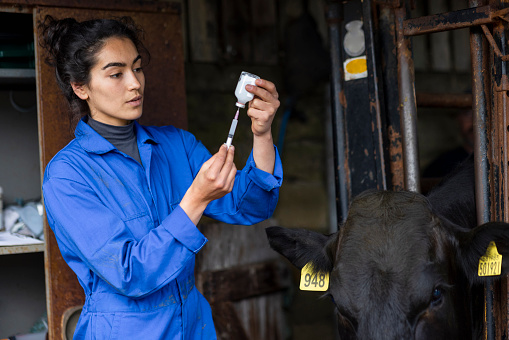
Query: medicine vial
242, 95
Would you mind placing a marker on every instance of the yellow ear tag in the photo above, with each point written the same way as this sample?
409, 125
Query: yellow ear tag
490, 264
310, 280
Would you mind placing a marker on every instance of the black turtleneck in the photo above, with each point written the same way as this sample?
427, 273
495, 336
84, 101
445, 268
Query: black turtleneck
122, 137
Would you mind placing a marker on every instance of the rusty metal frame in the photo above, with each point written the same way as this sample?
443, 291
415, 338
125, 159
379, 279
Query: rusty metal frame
491, 178
490, 158
449, 100
489, 103
449, 21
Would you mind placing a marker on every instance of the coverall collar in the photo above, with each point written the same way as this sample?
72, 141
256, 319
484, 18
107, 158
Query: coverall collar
91, 141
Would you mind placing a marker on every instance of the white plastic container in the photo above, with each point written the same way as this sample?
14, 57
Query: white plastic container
242, 95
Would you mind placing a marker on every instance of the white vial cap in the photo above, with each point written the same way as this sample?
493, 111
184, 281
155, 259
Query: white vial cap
240, 105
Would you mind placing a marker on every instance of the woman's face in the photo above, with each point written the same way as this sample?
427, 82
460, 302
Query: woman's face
115, 91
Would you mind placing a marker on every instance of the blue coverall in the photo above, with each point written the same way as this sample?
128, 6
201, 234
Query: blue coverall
120, 228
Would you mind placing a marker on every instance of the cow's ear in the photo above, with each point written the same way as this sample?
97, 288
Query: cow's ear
301, 246
474, 243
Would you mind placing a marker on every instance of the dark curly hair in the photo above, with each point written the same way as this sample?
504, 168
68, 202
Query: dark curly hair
73, 46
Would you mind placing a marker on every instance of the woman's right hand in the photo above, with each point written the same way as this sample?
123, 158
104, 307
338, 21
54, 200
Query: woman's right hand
214, 180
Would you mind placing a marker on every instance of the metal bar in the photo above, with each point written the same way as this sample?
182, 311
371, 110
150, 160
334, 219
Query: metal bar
480, 89
406, 87
480, 105
332, 199
375, 96
387, 43
338, 118
444, 100
498, 165
448, 21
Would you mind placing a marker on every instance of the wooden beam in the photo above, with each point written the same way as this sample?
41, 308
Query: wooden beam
243, 282
125, 5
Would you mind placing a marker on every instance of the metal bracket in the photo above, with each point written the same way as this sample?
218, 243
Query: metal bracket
493, 43
502, 14
504, 81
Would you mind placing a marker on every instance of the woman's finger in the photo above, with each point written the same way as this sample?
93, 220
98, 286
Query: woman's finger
228, 163
217, 163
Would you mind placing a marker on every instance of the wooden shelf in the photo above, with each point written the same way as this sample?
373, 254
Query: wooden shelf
21, 249
17, 78
17, 73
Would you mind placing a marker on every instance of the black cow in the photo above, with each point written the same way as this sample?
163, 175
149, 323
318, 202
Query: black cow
404, 266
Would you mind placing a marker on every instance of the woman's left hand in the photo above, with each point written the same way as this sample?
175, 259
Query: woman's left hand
263, 107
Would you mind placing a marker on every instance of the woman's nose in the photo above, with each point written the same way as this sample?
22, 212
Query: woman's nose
135, 80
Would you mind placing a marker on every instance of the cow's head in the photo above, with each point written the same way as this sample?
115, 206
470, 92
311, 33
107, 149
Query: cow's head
397, 271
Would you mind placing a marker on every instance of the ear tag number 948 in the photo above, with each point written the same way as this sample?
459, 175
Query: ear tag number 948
314, 281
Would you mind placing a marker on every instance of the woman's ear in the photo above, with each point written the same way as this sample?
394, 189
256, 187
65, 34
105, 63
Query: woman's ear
80, 91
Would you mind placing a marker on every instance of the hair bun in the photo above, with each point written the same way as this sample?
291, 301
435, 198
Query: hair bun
53, 33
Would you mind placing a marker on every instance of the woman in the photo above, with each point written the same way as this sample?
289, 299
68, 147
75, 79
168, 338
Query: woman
123, 199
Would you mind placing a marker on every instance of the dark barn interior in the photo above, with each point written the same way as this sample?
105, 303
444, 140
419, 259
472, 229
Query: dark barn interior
368, 105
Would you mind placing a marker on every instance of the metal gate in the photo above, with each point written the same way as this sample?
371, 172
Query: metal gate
374, 117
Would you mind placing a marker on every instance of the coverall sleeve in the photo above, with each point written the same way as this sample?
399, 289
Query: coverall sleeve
253, 198
255, 192
96, 236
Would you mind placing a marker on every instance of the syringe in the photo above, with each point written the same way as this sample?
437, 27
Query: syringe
232, 129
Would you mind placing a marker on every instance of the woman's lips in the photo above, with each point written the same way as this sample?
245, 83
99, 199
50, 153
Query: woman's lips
135, 101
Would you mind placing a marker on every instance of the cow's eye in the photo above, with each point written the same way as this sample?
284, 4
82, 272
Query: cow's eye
437, 295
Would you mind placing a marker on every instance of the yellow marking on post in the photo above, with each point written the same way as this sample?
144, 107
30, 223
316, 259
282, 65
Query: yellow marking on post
356, 66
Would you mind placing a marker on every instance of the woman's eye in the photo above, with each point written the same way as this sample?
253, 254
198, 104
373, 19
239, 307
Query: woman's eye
116, 75
436, 296
138, 69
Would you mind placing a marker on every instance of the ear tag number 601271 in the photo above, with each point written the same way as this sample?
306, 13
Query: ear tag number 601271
490, 264
314, 281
